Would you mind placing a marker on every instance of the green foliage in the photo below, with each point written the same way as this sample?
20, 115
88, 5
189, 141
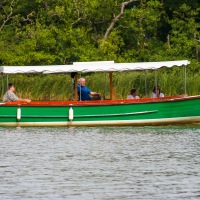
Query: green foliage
63, 31
110, 49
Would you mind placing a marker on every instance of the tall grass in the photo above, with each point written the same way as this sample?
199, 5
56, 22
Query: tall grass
60, 86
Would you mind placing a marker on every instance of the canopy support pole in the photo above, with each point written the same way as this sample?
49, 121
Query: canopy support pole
111, 85
145, 82
156, 81
75, 87
2, 93
80, 89
105, 90
7, 81
185, 87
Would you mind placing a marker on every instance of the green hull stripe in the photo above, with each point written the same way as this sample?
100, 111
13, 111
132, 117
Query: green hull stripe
82, 116
120, 114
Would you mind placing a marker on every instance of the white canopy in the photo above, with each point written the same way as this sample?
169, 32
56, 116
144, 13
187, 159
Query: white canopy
98, 66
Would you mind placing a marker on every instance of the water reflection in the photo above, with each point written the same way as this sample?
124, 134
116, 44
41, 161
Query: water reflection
100, 163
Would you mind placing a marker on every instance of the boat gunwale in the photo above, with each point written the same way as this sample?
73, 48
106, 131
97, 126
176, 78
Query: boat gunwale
100, 102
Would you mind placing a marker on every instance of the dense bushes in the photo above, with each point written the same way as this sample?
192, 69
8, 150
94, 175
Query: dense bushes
64, 31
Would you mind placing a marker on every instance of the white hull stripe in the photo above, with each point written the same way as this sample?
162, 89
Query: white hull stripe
166, 121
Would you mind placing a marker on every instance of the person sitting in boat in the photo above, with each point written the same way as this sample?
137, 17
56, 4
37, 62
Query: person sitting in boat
157, 93
85, 93
133, 94
10, 96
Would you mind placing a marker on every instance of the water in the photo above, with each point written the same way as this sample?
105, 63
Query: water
100, 163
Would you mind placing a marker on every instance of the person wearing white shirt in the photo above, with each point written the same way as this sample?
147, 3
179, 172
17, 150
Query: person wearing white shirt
157, 93
133, 94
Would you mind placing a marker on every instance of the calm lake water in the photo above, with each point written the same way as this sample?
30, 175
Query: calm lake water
108, 163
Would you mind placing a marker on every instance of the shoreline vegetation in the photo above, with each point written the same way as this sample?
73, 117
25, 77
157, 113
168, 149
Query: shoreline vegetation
60, 87
63, 31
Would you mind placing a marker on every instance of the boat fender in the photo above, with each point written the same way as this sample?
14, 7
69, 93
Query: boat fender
19, 113
71, 113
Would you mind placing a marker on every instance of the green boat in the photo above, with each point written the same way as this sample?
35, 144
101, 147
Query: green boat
181, 109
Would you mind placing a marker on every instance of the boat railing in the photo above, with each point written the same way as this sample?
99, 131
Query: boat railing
99, 102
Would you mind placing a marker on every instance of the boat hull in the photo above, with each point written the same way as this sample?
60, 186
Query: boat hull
142, 112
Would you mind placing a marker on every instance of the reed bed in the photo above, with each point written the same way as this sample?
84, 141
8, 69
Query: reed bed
60, 86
